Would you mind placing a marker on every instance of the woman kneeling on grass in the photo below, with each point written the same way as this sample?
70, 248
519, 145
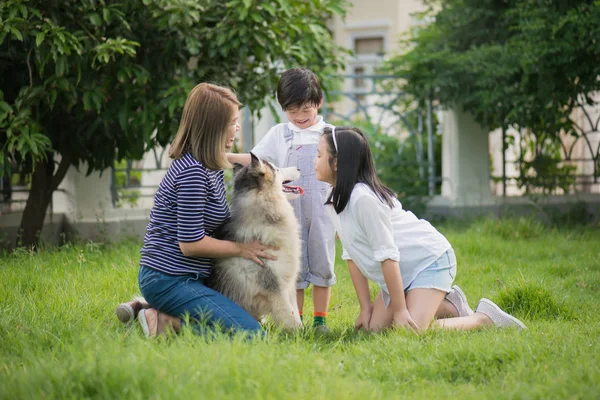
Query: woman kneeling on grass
413, 264
189, 205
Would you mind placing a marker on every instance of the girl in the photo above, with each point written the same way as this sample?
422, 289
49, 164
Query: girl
189, 205
413, 264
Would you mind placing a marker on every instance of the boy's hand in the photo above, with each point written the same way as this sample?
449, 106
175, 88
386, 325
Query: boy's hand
239, 158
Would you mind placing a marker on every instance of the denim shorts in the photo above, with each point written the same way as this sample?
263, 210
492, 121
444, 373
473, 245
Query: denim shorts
439, 275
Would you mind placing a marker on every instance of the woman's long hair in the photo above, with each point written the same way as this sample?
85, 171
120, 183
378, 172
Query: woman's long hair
207, 113
354, 165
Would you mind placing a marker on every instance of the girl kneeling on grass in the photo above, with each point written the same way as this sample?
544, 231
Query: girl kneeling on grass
413, 264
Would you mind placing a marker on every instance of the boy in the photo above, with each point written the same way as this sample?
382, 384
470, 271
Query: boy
295, 144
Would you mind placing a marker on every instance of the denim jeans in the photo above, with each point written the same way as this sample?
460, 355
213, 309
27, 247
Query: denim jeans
184, 295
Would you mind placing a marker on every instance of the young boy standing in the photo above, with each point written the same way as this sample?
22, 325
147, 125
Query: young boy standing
295, 144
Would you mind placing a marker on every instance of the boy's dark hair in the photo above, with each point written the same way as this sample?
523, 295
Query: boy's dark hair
298, 86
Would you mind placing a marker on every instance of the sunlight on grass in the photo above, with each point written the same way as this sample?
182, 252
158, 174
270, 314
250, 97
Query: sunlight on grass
59, 337
533, 300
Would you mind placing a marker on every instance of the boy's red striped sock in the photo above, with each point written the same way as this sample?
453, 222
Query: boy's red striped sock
320, 318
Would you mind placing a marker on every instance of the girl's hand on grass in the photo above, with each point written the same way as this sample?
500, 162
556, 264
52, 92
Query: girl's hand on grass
255, 250
402, 319
363, 319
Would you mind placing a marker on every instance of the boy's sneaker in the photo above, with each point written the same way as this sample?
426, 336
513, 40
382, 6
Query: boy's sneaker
500, 318
458, 299
321, 329
127, 312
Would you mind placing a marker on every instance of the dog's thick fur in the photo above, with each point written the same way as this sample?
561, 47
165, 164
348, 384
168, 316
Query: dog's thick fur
260, 211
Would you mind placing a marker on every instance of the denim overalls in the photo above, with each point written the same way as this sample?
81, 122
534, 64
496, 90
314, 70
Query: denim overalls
316, 229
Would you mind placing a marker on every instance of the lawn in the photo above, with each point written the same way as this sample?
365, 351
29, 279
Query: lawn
59, 337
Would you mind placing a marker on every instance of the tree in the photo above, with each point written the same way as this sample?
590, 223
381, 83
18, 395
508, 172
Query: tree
510, 63
91, 82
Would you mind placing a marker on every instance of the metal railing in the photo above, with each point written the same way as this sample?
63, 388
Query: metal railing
548, 164
376, 101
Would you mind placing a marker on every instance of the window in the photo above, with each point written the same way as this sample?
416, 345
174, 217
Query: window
369, 46
359, 83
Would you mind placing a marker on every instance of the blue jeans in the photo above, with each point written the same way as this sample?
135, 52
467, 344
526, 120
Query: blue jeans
184, 295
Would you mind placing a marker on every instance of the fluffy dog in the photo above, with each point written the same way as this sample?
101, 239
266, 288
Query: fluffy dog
260, 211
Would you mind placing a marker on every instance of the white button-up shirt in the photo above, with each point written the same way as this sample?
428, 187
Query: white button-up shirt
372, 232
273, 147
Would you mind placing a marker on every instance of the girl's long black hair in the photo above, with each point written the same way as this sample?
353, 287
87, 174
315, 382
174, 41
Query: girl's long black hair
354, 165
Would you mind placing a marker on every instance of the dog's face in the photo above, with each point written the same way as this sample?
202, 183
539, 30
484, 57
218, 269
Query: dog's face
261, 175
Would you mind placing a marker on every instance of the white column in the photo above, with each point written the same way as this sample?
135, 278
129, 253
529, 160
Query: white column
88, 207
465, 160
85, 198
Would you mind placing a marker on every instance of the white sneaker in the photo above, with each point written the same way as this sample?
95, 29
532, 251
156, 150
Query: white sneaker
458, 299
499, 318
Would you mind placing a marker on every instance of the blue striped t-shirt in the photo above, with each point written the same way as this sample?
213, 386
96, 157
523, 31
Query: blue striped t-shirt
189, 204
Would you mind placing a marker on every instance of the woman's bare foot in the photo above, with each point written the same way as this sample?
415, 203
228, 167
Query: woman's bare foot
155, 323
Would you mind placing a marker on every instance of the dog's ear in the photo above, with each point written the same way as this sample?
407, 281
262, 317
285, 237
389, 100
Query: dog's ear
237, 167
255, 160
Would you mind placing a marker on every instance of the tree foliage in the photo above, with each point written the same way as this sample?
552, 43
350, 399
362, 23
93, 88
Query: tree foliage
92, 80
522, 63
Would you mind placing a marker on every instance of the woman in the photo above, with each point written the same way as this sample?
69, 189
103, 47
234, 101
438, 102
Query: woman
189, 205
412, 262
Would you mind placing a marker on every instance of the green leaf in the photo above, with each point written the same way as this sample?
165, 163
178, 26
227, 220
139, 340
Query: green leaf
269, 8
23, 10
123, 119
16, 33
95, 19
39, 38
33, 146
52, 98
36, 13
87, 101
256, 17
97, 99
5, 110
61, 66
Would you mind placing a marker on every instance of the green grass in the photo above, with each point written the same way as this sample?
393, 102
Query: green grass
59, 337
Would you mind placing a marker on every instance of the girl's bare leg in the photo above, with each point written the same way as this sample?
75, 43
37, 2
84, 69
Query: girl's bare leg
423, 305
422, 302
446, 310
381, 318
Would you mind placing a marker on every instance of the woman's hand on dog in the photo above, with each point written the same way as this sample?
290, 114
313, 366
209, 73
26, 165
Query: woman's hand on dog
255, 250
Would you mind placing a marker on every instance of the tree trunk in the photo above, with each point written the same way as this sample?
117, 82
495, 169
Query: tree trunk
43, 183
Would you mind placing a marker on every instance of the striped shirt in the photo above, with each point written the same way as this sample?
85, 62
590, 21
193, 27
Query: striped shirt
190, 203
